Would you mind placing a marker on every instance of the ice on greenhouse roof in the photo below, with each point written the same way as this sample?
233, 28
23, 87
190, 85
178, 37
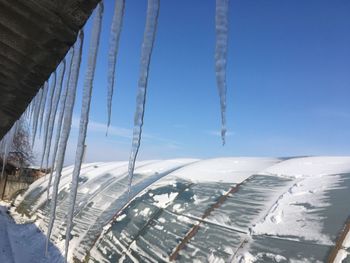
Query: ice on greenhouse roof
239, 209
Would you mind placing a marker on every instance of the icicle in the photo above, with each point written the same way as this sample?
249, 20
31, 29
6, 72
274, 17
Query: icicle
73, 81
32, 107
37, 113
27, 110
36, 102
52, 119
147, 46
59, 122
84, 118
42, 107
48, 116
8, 145
221, 28
2, 144
116, 28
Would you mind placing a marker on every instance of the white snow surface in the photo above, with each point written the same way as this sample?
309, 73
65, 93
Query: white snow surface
346, 242
163, 166
290, 210
164, 199
23, 243
342, 253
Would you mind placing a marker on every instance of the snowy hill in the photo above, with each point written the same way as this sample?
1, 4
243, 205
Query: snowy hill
216, 210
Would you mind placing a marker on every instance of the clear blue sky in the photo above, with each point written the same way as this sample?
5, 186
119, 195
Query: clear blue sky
288, 81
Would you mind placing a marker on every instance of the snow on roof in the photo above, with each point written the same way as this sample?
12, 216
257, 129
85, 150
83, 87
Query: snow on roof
229, 170
309, 166
165, 165
294, 208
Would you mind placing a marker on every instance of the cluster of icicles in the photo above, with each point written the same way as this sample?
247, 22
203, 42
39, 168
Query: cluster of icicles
51, 110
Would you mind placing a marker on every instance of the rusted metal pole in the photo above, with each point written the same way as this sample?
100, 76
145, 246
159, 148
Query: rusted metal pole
193, 231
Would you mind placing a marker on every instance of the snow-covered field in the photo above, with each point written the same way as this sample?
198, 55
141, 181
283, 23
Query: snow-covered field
260, 210
23, 243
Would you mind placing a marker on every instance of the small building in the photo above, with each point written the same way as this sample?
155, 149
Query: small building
11, 168
16, 179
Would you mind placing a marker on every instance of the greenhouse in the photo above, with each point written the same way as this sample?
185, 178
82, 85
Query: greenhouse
215, 210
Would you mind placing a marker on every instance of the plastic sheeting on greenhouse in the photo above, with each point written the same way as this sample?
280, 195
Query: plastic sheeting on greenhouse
215, 210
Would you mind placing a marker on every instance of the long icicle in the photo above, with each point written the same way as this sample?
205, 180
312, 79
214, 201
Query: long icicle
73, 81
36, 113
221, 29
147, 46
28, 109
2, 144
116, 28
59, 122
34, 105
48, 116
53, 114
32, 108
42, 106
84, 118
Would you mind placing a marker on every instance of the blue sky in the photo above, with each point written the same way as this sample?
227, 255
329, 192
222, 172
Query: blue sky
288, 81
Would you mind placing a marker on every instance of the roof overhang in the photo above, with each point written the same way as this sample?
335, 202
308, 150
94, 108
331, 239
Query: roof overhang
35, 35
